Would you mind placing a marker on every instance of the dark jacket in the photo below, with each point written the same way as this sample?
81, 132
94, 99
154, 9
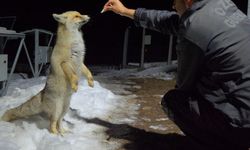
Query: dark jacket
213, 52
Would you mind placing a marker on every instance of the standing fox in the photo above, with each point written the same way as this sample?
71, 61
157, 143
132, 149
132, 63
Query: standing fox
66, 67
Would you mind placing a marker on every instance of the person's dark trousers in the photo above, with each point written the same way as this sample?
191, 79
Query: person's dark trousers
199, 121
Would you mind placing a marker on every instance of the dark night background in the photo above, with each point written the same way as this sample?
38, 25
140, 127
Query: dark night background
104, 34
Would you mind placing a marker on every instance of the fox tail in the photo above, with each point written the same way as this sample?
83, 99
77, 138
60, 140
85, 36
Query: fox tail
31, 107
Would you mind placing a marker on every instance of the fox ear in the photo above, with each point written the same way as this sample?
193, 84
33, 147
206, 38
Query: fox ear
59, 18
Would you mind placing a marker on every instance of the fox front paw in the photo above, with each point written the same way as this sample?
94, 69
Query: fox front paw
74, 87
74, 83
91, 82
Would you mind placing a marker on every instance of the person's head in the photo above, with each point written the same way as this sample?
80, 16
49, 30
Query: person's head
182, 5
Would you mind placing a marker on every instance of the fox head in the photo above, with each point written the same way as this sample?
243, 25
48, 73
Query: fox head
71, 19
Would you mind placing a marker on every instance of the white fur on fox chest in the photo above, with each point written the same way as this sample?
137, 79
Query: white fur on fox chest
77, 51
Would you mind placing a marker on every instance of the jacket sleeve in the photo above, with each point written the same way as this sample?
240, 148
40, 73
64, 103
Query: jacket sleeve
163, 21
190, 61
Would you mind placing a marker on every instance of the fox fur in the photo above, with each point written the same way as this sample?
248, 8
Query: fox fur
66, 68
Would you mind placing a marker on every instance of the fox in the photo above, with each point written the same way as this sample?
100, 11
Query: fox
67, 66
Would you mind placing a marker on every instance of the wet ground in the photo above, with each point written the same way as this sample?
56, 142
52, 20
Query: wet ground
153, 130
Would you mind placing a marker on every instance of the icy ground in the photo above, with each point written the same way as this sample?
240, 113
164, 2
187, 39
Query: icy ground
87, 103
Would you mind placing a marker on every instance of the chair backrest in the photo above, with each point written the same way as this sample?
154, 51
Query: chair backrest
8, 22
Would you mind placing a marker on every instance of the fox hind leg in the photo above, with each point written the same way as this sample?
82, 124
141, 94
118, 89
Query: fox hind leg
53, 126
53, 123
55, 115
65, 109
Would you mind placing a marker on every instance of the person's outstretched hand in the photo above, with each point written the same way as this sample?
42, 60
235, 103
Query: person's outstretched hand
117, 7
114, 5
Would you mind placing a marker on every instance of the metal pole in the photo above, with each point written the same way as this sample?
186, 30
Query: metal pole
125, 47
13, 66
248, 9
37, 53
29, 60
170, 50
142, 48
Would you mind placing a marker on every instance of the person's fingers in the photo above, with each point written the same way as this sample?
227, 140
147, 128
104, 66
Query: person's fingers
107, 7
113, 5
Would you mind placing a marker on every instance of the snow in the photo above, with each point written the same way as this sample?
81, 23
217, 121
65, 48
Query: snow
88, 103
161, 127
150, 70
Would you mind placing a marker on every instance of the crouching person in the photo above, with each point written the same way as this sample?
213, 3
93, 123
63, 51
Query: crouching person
211, 102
